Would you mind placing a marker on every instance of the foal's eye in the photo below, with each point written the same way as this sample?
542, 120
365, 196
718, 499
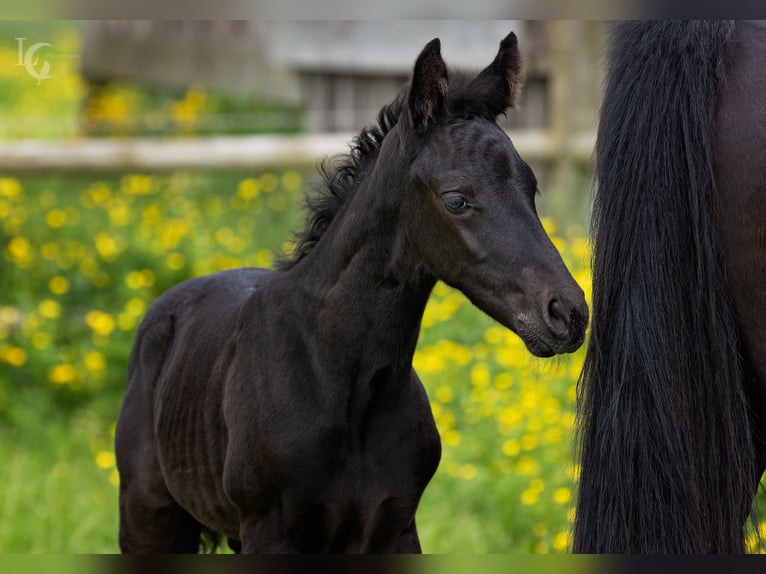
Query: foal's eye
454, 202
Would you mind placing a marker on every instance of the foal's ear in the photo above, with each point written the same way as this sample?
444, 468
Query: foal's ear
428, 88
498, 85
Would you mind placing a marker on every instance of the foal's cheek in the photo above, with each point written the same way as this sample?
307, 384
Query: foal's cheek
476, 249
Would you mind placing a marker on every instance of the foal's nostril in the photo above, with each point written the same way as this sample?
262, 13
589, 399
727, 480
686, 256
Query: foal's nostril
558, 318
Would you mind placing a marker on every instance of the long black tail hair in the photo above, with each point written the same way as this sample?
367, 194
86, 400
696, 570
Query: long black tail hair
667, 456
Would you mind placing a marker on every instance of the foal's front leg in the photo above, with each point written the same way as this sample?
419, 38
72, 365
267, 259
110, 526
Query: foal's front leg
265, 535
408, 542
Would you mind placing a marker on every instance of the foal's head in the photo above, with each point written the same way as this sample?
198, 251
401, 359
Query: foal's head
469, 210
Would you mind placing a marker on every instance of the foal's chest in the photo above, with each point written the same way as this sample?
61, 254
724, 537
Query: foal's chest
341, 483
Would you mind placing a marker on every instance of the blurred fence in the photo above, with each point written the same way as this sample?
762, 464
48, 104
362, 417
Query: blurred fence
233, 152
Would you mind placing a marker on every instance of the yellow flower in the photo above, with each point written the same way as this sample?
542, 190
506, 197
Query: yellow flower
105, 459
562, 495
95, 361
529, 442
101, 323
429, 317
107, 247
15, 356
548, 225
172, 233
511, 447
480, 375
751, 544
20, 252
140, 279
461, 356
58, 285
510, 416
62, 374
530, 497
135, 306
10, 188
175, 261
55, 218
248, 188
49, 309
99, 192
452, 438
561, 541
136, 184
573, 470
119, 214
263, 258
441, 289
559, 244
493, 335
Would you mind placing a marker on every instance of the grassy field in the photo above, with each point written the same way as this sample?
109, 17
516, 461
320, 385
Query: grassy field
83, 257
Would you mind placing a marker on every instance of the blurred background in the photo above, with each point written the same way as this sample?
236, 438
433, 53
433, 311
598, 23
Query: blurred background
137, 154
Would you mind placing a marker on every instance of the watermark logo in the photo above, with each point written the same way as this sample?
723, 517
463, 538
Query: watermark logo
36, 59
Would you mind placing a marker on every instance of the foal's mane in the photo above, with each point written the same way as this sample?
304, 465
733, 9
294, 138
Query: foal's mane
339, 178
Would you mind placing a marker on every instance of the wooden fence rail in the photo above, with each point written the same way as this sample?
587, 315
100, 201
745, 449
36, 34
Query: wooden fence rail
230, 153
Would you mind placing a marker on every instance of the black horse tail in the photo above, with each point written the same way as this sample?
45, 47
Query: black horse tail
667, 456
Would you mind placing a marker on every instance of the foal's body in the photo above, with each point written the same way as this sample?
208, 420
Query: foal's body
280, 408
295, 373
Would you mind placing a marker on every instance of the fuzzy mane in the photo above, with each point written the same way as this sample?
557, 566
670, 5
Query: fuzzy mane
340, 176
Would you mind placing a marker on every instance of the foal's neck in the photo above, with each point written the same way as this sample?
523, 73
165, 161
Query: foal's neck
366, 278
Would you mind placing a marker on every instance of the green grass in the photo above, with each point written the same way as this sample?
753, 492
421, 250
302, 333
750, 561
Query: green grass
54, 499
117, 242
506, 483
81, 257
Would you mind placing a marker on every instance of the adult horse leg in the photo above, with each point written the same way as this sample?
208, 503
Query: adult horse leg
740, 172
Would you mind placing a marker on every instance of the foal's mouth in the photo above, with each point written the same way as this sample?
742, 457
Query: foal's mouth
536, 342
